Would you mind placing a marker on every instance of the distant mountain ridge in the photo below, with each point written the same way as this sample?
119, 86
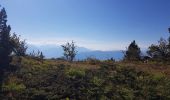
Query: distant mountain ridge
102, 55
54, 51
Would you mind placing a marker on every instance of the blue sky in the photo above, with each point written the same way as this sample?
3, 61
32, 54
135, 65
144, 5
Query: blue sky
94, 24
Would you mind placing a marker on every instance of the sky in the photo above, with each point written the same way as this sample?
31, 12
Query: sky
94, 24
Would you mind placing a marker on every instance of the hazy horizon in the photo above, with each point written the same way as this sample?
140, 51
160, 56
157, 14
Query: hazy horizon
94, 24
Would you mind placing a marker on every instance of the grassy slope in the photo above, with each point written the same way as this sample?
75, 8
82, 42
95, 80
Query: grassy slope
149, 67
54, 79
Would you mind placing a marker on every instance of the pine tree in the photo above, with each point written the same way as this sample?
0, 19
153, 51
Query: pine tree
5, 44
41, 56
133, 52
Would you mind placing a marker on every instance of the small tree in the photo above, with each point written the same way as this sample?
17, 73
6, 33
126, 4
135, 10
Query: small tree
133, 52
69, 51
161, 51
20, 46
41, 56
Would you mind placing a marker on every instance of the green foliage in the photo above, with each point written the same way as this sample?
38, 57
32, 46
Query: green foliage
75, 72
14, 87
160, 52
133, 52
20, 46
97, 81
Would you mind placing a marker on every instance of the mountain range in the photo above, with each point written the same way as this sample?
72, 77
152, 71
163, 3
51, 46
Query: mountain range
54, 51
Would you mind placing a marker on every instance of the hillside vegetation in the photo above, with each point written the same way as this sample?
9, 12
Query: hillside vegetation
32, 79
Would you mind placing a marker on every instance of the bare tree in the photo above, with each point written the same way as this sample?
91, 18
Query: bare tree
69, 50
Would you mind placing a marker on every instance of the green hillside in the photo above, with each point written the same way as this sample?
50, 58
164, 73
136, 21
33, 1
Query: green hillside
32, 79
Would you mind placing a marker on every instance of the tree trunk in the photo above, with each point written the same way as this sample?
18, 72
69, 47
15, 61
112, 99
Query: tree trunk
1, 80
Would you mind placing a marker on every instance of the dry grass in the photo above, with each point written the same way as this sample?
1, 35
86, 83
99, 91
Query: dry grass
150, 68
73, 64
